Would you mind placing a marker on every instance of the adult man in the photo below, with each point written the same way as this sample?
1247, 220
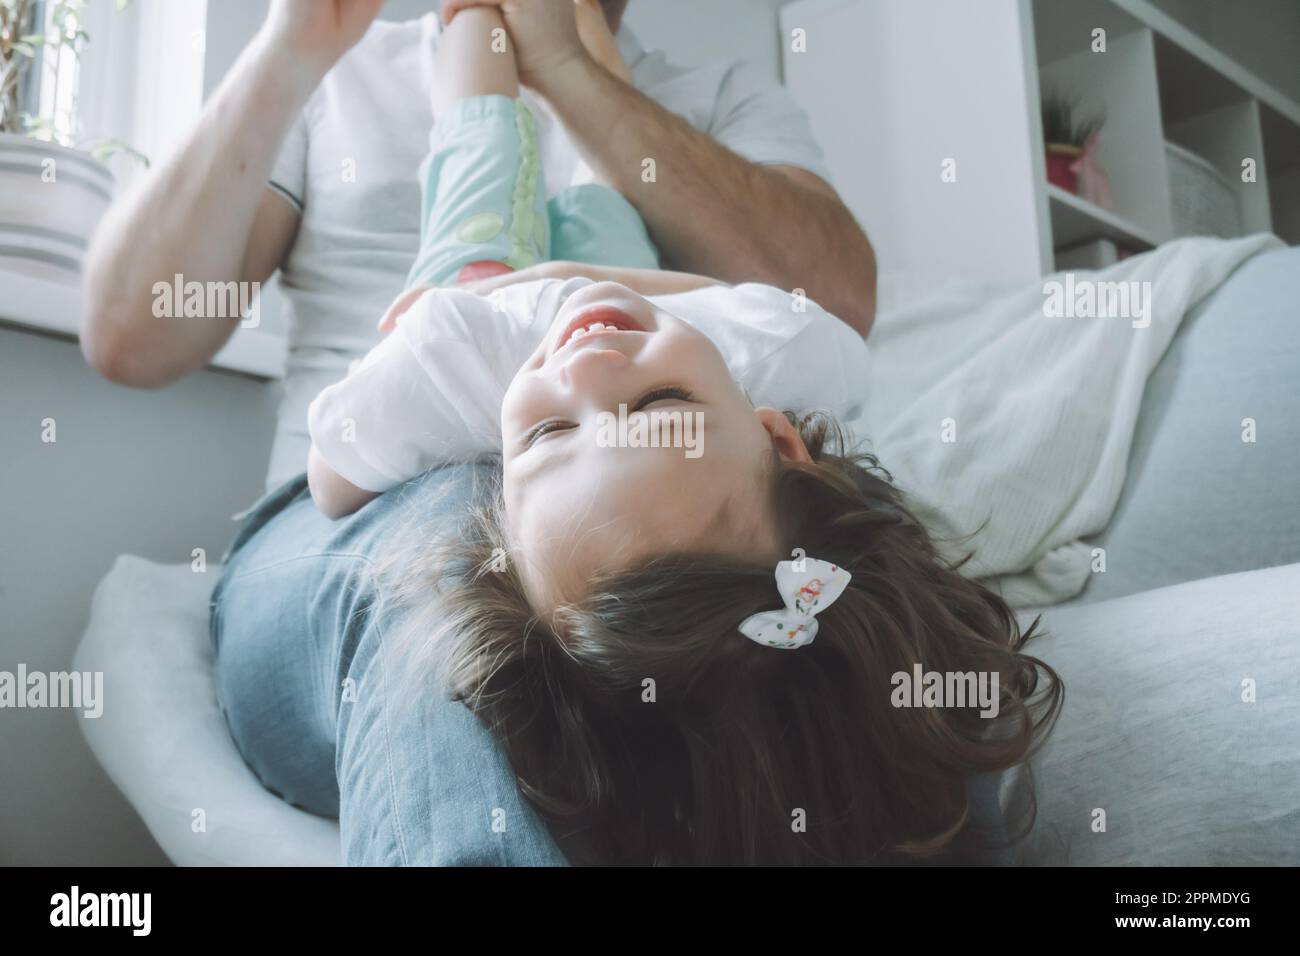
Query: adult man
305, 160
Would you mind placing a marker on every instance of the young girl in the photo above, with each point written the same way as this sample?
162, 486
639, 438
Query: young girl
615, 614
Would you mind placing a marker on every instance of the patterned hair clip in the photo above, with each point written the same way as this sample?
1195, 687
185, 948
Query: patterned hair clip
807, 586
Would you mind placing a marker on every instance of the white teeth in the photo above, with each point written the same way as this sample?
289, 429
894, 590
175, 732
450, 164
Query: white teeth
593, 328
590, 329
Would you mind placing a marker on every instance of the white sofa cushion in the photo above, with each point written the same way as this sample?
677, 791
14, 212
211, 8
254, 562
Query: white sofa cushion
162, 737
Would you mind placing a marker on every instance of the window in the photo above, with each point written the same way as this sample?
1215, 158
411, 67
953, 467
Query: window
50, 87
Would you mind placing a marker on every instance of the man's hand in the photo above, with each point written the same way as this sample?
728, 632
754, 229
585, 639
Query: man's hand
544, 34
319, 32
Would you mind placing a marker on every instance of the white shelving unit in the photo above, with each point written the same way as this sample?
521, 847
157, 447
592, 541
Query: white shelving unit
896, 87
1157, 82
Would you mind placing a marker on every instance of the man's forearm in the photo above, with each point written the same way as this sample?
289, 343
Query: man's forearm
192, 216
712, 211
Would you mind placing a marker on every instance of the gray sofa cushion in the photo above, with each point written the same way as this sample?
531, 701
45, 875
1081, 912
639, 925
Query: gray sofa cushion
1158, 730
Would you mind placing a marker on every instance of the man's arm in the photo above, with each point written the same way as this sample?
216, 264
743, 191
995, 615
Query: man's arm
709, 210
206, 213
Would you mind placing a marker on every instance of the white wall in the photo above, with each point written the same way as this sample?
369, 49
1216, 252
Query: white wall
889, 119
151, 473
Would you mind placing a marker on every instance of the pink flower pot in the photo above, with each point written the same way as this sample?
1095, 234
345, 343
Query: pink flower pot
1061, 160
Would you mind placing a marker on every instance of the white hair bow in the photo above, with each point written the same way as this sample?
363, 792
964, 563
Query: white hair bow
808, 586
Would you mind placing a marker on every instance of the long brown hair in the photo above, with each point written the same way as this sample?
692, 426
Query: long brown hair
645, 729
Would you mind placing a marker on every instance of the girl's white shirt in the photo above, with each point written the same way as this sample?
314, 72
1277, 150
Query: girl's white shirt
431, 392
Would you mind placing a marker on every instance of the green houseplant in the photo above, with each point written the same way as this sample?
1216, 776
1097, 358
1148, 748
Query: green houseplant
56, 183
1065, 136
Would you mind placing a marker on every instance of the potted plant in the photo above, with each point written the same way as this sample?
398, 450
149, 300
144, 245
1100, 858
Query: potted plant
1067, 139
55, 185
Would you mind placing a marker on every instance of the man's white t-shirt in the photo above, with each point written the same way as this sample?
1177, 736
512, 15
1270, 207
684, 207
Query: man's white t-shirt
349, 165
431, 392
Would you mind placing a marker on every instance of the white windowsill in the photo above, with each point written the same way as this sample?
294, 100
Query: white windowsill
54, 307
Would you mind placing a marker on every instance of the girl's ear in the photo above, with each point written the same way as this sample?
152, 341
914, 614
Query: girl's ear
785, 437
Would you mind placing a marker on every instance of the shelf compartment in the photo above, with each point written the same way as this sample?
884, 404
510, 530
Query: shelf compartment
1224, 137
1076, 220
1119, 83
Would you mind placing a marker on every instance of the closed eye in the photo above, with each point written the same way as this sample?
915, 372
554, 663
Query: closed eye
662, 394
544, 428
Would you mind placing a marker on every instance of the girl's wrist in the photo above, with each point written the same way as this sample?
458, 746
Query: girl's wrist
571, 74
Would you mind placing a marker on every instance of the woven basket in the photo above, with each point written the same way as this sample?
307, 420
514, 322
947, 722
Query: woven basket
1202, 201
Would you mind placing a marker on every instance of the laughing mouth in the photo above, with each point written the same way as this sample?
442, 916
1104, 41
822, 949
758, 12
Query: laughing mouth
599, 320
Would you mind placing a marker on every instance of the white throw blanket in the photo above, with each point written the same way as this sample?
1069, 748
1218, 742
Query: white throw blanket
1004, 412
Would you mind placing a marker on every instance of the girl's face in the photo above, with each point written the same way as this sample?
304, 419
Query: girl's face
583, 494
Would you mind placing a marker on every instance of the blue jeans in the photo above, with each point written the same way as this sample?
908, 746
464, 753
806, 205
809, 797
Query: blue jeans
298, 625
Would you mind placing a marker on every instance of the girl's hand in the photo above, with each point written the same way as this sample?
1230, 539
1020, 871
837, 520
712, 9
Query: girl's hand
640, 281
542, 270
318, 32
399, 307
